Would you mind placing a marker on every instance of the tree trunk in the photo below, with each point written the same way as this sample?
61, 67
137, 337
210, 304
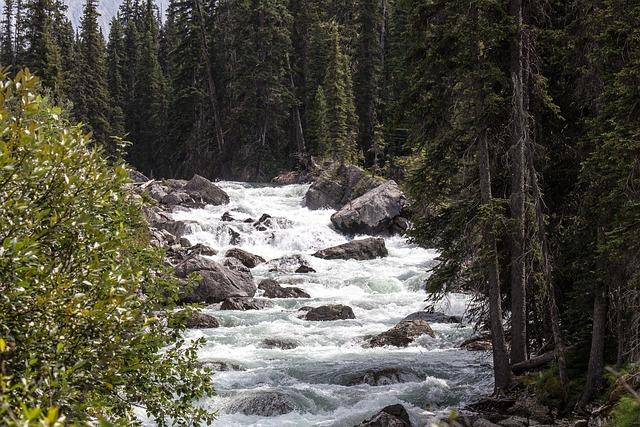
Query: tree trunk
519, 139
297, 122
596, 355
501, 367
210, 80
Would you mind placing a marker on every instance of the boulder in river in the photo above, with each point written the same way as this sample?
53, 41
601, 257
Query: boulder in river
433, 317
290, 264
248, 259
363, 249
330, 312
403, 334
372, 213
281, 343
273, 289
218, 282
384, 376
226, 217
339, 185
205, 192
199, 320
263, 404
391, 416
245, 303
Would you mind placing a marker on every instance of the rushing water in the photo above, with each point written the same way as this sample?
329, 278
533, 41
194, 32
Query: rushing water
316, 374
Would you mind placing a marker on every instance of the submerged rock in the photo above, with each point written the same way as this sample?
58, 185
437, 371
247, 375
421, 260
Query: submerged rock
403, 334
364, 249
371, 213
433, 317
385, 376
245, 303
248, 259
391, 416
330, 312
218, 282
263, 403
281, 343
226, 217
338, 186
273, 289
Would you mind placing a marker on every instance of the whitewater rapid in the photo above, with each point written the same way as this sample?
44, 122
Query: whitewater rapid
316, 374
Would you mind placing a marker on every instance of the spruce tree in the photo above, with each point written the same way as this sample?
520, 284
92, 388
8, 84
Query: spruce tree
6, 35
93, 106
338, 91
115, 76
317, 128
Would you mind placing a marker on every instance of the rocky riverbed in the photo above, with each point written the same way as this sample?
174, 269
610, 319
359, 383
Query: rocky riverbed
308, 323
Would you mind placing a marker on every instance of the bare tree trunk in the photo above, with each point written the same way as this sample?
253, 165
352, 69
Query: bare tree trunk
210, 80
519, 139
501, 367
300, 145
596, 355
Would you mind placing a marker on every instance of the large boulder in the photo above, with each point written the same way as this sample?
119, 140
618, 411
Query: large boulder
273, 289
218, 282
403, 334
205, 192
364, 249
433, 317
245, 303
263, 404
330, 312
374, 212
391, 416
246, 258
338, 186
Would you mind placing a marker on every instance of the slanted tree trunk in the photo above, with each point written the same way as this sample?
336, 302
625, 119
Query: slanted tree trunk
596, 356
501, 367
519, 140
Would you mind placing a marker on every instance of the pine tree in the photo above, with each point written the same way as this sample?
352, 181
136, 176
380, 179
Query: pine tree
41, 51
340, 107
6, 36
368, 57
115, 76
317, 128
93, 106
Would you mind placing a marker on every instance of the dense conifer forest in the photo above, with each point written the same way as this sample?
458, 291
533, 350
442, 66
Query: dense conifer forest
513, 127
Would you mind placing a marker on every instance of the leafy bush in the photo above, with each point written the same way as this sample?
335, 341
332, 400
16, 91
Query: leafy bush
82, 296
626, 413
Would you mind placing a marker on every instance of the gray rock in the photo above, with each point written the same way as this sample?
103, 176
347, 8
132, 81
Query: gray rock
385, 376
157, 191
518, 422
433, 317
236, 265
177, 198
273, 289
364, 249
199, 320
222, 366
338, 186
136, 176
235, 236
218, 282
263, 404
201, 249
330, 312
226, 217
481, 422
205, 192
391, 416
281, 343
371, 213
290, 264
245, 303
305, 269
402, 334
178, 228
248, 259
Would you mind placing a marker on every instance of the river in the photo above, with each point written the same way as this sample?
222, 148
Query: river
318, 374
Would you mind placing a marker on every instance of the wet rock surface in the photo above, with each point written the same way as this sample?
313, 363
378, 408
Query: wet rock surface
390, 416
363, 249
403, 334
330, 312
245, 303
273, 289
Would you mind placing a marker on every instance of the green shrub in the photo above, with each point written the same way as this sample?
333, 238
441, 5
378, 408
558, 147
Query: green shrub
626, 413
82, 297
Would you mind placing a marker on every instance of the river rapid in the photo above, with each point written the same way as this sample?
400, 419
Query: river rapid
318, 373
